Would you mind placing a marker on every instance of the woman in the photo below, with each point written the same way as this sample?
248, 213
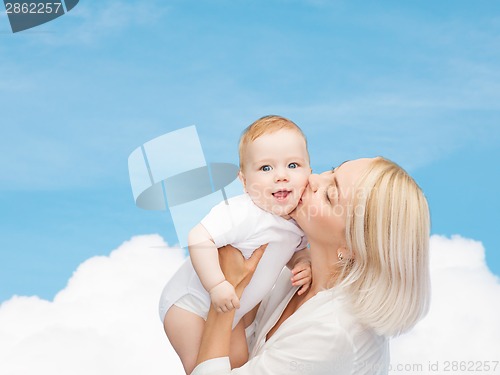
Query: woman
368, 227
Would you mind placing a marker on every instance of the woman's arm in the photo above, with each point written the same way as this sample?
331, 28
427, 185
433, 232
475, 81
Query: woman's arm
217, 333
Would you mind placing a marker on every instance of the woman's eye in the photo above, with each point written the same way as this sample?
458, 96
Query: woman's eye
330, 194
265, 168
293, 165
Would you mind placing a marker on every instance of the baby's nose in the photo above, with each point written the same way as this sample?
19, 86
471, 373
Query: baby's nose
281, 174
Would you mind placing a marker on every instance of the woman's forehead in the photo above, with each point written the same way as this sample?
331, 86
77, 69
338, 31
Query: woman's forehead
348, 173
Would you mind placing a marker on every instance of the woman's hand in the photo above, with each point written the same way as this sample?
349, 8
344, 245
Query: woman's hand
238, 270
216, 339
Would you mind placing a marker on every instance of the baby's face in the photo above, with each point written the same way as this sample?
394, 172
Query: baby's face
276, 170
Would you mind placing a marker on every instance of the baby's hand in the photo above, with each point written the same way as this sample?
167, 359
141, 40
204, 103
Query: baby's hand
302, 275
223, 297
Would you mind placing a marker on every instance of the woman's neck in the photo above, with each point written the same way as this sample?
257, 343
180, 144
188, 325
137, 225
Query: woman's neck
322, 260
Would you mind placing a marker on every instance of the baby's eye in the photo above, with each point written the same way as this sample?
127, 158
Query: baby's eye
265, 168
293, 165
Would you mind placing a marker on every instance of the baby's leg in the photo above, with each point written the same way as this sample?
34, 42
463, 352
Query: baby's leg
184, 330
238, 352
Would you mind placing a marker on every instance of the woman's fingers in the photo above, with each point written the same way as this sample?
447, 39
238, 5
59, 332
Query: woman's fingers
254, 260
237, 270
234, 266
249, 267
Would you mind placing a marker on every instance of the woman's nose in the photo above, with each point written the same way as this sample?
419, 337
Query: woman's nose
314, 182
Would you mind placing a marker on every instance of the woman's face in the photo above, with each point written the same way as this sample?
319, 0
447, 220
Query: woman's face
322, 210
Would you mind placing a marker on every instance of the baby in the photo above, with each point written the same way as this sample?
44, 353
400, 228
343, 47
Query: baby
274, 170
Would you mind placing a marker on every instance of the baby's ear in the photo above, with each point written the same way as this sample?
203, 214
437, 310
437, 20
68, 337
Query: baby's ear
241, 176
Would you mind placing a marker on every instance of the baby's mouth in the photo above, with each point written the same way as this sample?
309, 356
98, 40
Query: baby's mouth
281, 194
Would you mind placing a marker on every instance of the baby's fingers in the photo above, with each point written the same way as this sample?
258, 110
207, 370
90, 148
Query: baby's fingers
221, 309
303, 289
299, 267
236, 302
301, 276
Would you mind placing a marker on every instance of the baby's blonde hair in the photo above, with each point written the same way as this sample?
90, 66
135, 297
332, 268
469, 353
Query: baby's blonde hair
266, 125
387, 232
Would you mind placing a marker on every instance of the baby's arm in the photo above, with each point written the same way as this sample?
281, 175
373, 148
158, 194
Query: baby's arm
300, 265
205, 259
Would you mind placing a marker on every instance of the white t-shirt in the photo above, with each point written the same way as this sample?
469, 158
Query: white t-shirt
323, 337
245, 226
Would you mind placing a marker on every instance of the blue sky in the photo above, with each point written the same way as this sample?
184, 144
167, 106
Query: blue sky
415, 81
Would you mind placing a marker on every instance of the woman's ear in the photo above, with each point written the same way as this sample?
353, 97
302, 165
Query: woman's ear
243, 180
344, 255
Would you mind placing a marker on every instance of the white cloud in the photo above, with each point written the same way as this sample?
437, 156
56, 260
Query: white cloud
106, 322
463, 323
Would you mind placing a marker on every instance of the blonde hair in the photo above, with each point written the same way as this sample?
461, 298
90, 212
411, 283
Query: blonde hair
266, 125
387, 231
